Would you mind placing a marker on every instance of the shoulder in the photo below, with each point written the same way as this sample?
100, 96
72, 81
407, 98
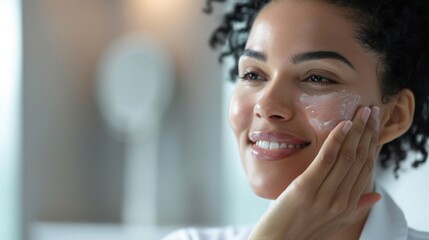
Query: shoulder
417, 235
225, 233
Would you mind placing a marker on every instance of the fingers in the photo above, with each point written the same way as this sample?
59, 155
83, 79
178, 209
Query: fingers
352, 170
357, 178
318, 170
347, 155
350, 201
340, 171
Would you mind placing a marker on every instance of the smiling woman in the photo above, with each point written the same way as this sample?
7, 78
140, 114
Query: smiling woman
324, 89
317, 52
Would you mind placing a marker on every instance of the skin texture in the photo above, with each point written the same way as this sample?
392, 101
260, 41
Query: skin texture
330, 180
327, 110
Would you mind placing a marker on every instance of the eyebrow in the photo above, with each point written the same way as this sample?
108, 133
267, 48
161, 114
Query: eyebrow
316, 55
301, 57
254, 54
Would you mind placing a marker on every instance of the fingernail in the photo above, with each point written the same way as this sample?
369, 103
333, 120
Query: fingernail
375, 113
347, 126
365, 114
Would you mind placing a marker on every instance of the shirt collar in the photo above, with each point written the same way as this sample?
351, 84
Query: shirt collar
385, 221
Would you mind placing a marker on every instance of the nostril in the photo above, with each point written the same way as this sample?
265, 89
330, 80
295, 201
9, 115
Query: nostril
273, 117
278, 117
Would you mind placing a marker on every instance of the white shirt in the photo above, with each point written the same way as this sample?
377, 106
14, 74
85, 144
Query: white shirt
385, 222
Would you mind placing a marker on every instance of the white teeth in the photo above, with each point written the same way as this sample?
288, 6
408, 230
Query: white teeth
275, 145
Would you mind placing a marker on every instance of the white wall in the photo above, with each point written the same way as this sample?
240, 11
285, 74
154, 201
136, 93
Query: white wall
10, 115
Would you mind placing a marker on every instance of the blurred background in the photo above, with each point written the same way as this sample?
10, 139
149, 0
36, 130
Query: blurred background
84, 155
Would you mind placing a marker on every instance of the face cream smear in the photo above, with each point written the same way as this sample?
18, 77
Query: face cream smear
326, 111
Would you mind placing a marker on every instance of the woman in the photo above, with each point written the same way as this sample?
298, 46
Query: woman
325, 89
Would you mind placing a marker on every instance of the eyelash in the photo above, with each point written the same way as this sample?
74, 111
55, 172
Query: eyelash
247, 76
320, 80
313, 78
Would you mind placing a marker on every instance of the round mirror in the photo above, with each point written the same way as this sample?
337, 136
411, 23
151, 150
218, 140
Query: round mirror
135, 85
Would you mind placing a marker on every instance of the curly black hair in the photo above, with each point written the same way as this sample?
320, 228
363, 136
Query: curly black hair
395, 30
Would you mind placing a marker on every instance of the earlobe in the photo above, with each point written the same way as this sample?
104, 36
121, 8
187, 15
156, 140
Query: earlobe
397, 117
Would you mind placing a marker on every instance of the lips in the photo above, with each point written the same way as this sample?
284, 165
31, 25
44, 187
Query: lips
274, 146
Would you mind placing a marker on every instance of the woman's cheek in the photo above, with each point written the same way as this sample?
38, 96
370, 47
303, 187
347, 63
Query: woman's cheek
240, 111
324, 112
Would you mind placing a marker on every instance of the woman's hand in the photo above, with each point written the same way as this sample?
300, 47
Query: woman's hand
330, 195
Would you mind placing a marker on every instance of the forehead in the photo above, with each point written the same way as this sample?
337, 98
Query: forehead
289, 25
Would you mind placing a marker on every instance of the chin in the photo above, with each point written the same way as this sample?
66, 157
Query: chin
269, 188
267, 194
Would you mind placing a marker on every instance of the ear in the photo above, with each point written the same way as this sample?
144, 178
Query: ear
397, 116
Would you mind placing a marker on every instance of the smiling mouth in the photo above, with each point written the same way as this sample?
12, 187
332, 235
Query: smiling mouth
266, 145
275, 145
274, 151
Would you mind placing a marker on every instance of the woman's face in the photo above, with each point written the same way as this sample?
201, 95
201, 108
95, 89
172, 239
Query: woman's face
302, 73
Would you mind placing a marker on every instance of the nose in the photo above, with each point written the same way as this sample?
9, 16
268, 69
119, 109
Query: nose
274, 104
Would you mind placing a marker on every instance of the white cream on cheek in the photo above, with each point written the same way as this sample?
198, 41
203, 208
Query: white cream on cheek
326, 111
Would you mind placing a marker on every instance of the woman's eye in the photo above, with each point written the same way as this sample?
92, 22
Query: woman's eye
251, 76
320, 80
